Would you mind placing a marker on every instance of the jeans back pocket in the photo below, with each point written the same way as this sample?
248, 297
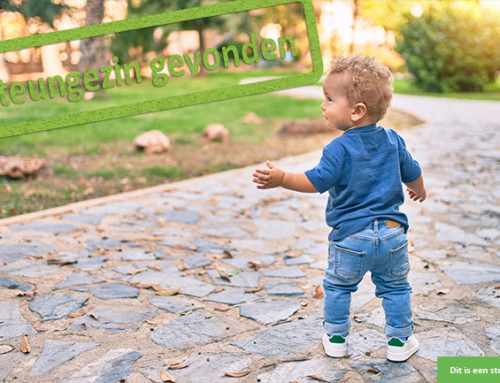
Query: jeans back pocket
348, 263
399, 264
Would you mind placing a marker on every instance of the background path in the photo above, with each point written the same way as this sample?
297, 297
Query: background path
79, 281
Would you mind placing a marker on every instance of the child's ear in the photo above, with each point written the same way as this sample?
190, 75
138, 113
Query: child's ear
358, 112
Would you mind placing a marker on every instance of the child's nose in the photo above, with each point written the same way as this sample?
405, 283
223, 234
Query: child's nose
322, 106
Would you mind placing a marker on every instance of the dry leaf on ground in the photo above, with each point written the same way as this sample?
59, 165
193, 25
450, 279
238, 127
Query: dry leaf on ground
319, 293
237, 374
318, 378
168, 292
177, 359
25, 346
154, 267
76, 315
165, 376
136, 271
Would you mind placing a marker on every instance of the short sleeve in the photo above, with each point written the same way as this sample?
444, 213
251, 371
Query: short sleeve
324, 175
410, 169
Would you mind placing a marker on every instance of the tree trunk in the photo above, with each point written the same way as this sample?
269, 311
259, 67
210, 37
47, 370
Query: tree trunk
355, 15
4, 73
93, 49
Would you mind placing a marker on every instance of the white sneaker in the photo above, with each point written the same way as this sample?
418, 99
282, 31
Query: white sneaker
398, 351
336, 346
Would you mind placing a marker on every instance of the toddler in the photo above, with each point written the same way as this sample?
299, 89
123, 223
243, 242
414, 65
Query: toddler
362, 170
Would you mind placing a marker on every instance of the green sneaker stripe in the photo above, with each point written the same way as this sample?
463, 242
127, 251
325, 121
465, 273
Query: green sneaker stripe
337, 339
396, 342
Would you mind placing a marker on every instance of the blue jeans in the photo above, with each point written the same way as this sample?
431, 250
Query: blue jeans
383, 252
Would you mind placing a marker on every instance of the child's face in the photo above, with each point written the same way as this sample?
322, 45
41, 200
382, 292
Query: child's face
336, 108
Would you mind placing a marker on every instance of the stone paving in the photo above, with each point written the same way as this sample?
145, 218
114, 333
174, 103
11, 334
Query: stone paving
222, 277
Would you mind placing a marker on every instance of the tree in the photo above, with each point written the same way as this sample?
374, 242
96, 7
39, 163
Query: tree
451, 49
93, 49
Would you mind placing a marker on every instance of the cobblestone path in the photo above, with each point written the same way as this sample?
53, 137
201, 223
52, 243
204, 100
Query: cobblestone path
90, 285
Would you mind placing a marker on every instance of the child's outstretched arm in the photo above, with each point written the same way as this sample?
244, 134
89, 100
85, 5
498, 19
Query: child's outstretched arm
416, 190
274, 177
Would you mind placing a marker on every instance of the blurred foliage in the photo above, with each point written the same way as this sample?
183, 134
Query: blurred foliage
45, 10
451, 48
143, 41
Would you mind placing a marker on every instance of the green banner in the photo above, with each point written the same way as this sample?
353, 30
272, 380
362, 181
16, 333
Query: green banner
18, 93
466, 369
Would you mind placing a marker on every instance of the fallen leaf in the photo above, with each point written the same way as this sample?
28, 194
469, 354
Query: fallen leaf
135, 271
162, 256
228, 254
319, 293
76, 315
183, 267
257, 264
143, 285
151, 322
98, 254
177, 359
141, 239
426, 265
158, 287
5, 348
318, 378
178, 366
165, 376
293, 254
222, 308
66, 263
252, 290
374, 370
451, 254
186, 312
202, 272
496, 287
425, 293
225, 277
443, 291
25, 346
356, 319
154, 267
95, 317
169, 292
347, 356
304, 303
186, 273
237, 374
84, 326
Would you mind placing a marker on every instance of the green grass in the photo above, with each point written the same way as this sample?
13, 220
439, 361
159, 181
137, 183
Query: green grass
407, 86
182, 123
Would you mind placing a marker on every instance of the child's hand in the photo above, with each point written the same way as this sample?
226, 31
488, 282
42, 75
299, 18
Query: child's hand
269, 178
420, 197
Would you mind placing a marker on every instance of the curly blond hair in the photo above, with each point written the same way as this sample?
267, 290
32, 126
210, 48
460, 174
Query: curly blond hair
366, 81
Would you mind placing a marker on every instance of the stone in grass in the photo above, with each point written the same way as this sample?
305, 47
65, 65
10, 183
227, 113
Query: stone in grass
79, 279
115, 291
249, 279
286, 272
175, 305
465, 273
446, 342
12, 323
204, 367
56, 352
110, 368
194, 330
450, 312
329, 369
284, 289
269, 312
12, 284
243, 262
391, 372
196, 260
18, 251
57, 306
46, 227
113, 318
233, 297
299, 334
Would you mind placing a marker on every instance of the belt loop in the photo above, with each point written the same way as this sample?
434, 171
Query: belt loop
375, 226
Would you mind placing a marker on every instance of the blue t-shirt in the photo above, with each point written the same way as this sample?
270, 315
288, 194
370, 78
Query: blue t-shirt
362, 170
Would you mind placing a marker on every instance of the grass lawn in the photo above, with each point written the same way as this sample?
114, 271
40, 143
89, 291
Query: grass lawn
99, 159
407, 86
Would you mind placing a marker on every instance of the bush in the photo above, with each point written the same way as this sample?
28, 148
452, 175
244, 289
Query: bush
451, 50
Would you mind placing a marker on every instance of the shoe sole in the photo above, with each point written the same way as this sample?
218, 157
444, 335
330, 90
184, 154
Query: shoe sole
402, 357
333, 353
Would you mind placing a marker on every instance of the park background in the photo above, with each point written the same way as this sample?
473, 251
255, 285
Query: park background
434, 48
